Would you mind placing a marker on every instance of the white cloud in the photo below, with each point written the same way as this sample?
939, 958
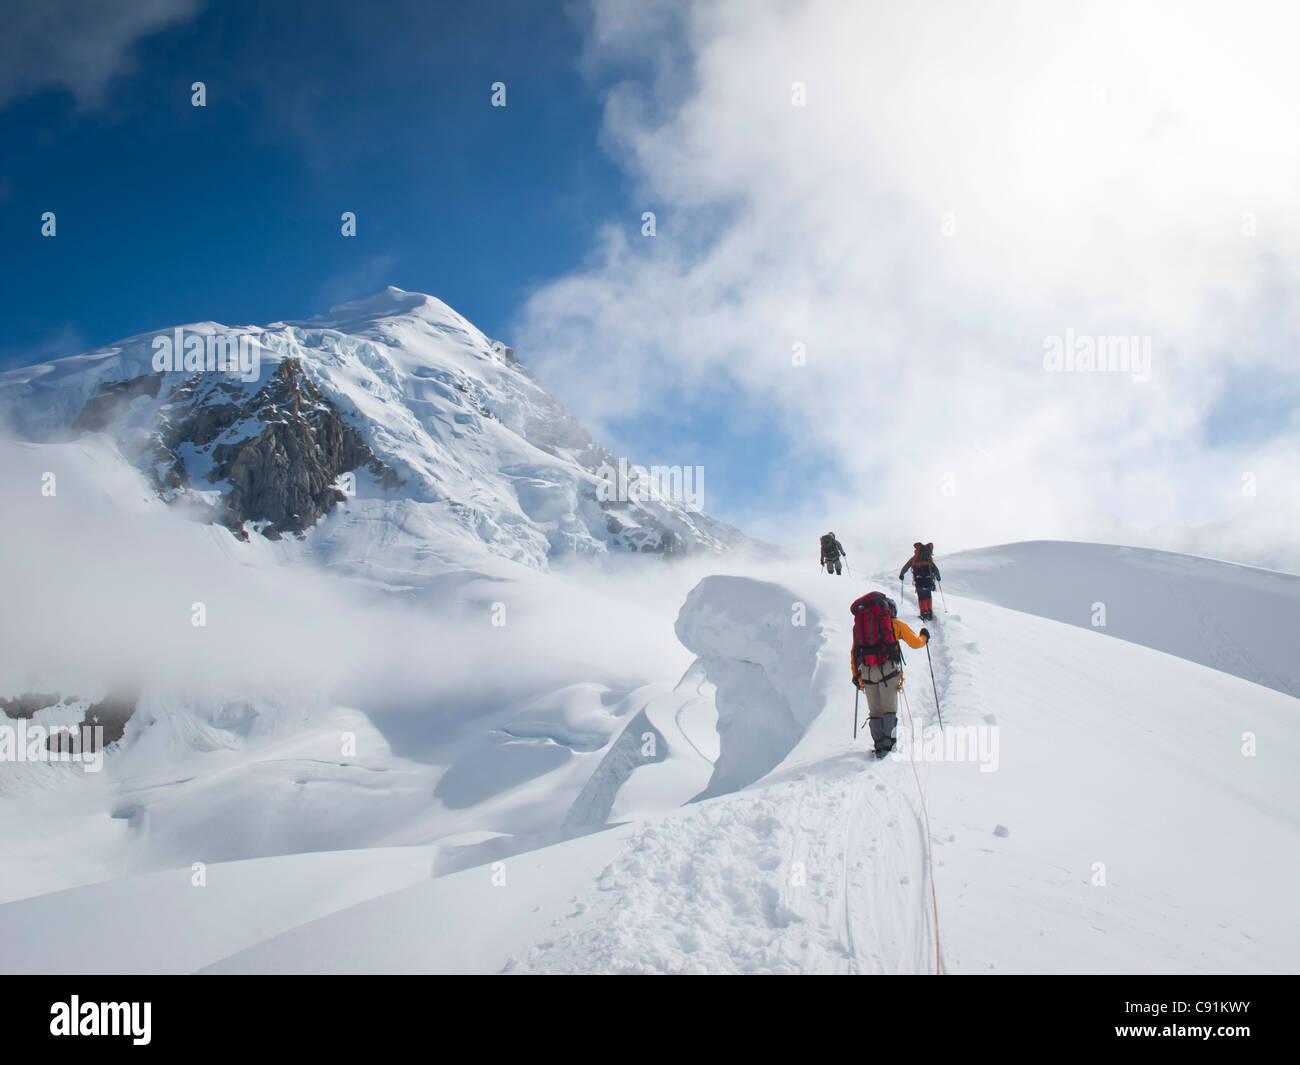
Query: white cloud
1114, 169
76, 45
106, 584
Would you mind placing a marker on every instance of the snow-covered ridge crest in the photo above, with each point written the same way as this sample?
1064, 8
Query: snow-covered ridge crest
392, 416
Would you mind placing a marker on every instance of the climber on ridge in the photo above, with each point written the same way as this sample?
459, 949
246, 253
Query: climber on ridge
925, 574
832, 549
877, 660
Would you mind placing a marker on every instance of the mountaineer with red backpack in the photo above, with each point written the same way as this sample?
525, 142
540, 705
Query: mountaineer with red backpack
925, 574
878, 663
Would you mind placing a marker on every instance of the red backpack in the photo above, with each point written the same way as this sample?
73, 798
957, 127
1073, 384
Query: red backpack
874, 642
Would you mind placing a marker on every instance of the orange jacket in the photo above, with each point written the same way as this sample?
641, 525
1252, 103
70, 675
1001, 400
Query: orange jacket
903, 633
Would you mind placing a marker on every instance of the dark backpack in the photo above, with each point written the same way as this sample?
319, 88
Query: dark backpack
828, 544
874, 642
923, 562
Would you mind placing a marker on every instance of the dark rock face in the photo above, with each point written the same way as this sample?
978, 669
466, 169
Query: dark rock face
285, 475
278, 452
27, 704
111, 714
651, 536
112, 399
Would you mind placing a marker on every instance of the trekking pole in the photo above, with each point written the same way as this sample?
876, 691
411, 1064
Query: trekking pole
856, 692
932, 684
942, 596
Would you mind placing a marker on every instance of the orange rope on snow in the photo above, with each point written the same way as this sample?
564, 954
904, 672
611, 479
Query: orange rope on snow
929, 853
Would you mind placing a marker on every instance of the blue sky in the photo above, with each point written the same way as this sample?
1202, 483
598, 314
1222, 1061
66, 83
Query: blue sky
919, 223
169, 213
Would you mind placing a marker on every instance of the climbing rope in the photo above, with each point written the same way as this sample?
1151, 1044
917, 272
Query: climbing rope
929, 853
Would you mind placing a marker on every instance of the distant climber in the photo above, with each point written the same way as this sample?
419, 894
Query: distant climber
877, 659
832, 549
925, 574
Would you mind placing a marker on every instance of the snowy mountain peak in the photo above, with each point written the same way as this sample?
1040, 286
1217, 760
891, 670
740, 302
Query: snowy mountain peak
392, 302
389, 419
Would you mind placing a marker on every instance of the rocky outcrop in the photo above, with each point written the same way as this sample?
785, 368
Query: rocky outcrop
276, 455
286, 475
26, 705
110, 714
112, 399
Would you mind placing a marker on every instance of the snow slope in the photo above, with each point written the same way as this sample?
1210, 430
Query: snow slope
475, 921
1107, 753
179, 920
1099, 816
1237, 619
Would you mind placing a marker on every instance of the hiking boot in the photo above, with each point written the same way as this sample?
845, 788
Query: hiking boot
882, 733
